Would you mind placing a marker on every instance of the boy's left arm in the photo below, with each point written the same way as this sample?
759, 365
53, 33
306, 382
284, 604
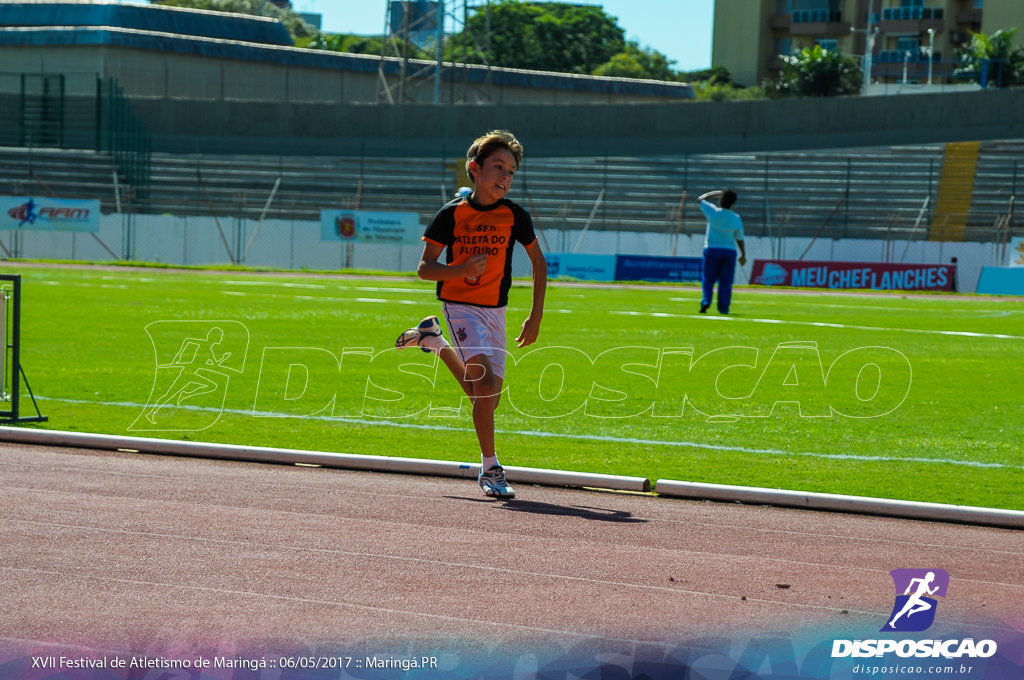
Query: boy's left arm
531, 327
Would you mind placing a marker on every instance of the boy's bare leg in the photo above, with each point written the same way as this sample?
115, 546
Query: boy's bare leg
454, 363
483, 387
486, 388
477, 379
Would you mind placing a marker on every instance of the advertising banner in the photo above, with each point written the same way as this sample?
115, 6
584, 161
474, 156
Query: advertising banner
624, 267
49, 214
582, 267
1001, 281
364, 226
1016, 252
645, 268
854, 275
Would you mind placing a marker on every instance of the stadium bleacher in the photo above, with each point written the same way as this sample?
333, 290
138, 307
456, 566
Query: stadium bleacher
881, 193
996, 182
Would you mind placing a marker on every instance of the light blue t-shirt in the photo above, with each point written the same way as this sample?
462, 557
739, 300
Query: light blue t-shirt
724, 226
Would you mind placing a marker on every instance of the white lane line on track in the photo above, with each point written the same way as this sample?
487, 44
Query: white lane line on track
320, 602
307, 600
609, 439
502, 569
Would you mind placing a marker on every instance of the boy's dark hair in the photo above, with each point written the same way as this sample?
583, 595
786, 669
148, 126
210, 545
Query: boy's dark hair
487, 144
728, 199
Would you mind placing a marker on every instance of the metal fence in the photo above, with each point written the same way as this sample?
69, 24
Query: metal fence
75, 111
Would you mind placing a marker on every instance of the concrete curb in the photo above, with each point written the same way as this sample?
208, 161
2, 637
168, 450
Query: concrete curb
963, 514
352, 461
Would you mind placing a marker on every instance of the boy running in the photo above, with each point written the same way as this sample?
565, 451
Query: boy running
479, 232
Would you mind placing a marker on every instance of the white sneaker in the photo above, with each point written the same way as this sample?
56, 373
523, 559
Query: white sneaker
430, 326
493, 483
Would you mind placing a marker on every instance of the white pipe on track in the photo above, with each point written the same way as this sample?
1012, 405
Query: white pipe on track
259, 454
963, 514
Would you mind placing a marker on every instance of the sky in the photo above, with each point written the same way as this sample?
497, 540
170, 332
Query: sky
679, 29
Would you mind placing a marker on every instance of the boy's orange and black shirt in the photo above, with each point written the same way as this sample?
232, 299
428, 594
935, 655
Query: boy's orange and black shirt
466, 229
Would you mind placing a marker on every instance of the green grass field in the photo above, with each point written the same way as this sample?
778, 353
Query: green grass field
886, 395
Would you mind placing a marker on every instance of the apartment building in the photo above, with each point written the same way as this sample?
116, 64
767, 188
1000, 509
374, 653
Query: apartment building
911, 41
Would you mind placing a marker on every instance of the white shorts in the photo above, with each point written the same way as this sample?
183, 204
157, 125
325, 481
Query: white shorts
477, 330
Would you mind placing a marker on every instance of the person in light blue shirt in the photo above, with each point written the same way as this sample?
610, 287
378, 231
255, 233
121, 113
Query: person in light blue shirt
723, 236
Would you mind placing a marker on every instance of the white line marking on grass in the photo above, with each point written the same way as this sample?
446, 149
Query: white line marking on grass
820, 324
967, 311
274, 284
378, 301
382, 422
128, 278
82, 284
381, 301
376, 289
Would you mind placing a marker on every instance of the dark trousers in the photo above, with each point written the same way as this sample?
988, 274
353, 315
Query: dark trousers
720, 268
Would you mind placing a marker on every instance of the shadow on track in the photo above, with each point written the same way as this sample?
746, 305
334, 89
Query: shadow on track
537, 508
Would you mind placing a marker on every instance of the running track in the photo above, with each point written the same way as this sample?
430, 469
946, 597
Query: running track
111, 554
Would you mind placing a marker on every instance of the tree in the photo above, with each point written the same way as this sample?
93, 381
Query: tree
816, 72
362, 44
992, 58
710, 91
638, 62
716, 75
549, 36
543, 36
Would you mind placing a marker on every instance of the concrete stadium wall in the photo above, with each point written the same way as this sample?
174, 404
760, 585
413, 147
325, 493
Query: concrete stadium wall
326, 78
296, 245
584, 129
197, 103
152, 75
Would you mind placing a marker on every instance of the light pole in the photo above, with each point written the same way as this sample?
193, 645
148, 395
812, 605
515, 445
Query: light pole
931, 53
869, 33
439, 15
869, 49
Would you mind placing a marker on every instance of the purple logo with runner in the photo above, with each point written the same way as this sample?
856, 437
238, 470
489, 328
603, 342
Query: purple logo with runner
914, 609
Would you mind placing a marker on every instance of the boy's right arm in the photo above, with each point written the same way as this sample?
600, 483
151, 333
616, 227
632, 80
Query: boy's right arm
539, 264
430, 269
